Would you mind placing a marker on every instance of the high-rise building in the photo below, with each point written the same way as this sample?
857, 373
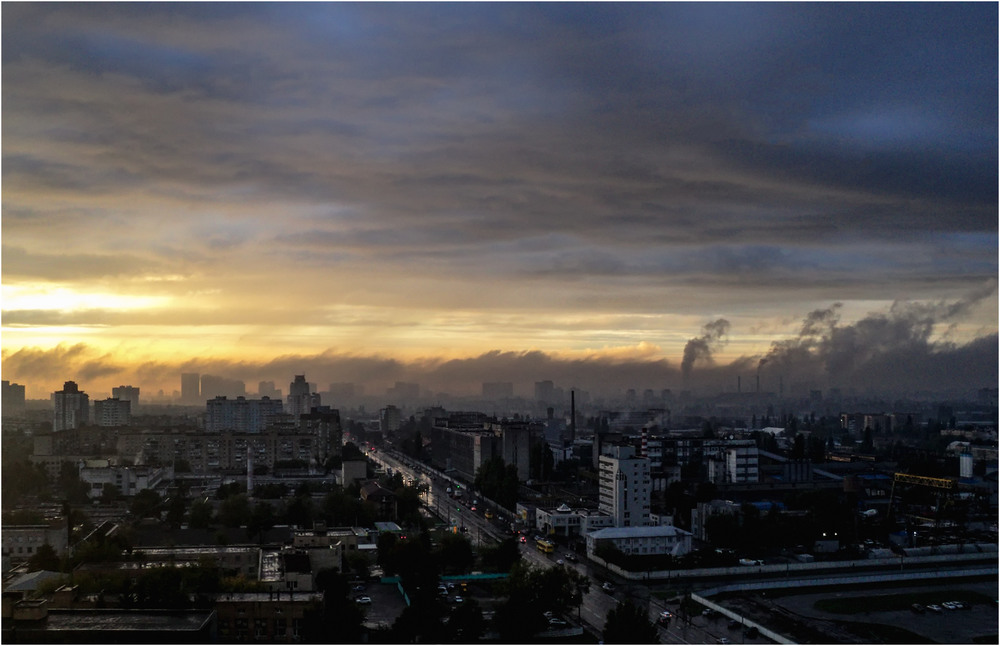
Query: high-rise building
404, 391
625, 486
391, 419
544, 391
498, 390
71, 407
323, 423
267, 389
241, 414
129, 394
301, 399
112, 412
213, 386
190, 388
13, 398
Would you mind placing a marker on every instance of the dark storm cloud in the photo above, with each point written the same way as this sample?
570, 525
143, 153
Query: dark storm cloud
705, 157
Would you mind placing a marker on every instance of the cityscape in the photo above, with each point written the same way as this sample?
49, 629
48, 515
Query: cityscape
510, 323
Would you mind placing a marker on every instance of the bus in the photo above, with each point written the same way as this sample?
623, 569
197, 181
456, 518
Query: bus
545, 546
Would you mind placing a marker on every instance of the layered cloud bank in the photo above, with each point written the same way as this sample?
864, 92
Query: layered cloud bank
640, 193
894, 353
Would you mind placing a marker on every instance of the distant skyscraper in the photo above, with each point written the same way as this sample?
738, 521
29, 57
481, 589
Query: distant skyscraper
71, 407
212, 386
404, 391
112, 412
129, 394
301, 399
13, 398
190, 387
498, 390
267, 389
544, 391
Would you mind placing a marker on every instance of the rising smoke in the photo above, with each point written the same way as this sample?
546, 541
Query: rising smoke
701, 348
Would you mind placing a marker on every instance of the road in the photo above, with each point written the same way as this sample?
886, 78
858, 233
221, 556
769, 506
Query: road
596, 603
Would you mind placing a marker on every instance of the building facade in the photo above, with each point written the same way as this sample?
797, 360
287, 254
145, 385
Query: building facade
625, 486
129, 394
112, 412
241, 414
71, 407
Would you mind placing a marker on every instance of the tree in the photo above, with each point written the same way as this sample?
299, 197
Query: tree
200, 515
234, 510
145, 503
45, 558
628, 623
455, 553
110, 494
176, 509
261, 520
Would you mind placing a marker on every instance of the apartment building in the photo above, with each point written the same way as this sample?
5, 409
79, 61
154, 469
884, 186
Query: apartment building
625, 486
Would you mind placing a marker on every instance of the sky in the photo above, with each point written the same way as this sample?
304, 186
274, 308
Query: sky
622, 195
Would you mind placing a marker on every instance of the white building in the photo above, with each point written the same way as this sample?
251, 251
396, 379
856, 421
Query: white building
642, 541
565, 521
625, 486
112, 412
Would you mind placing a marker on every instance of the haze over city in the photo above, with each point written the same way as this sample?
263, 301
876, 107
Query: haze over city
603, 195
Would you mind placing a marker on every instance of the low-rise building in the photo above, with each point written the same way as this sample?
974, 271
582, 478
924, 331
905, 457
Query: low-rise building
566, 521
642, 541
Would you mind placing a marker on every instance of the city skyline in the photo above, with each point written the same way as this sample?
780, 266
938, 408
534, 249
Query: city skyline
640, 195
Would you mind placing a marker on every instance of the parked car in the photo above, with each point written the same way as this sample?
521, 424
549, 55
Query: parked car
363, 600
560, 562
917, 608
607, 587
934, 607
556, 621
571, 558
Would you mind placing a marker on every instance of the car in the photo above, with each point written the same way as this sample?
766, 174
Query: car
917, 608
607, 587
524, 539
721, 640
547, 614
358, 588
934, 607
733, 624
556, 621
949, 605
363, 600
560, 562
571, 558
458, 599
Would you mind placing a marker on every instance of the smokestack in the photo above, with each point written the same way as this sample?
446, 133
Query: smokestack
572, 416
249, 471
